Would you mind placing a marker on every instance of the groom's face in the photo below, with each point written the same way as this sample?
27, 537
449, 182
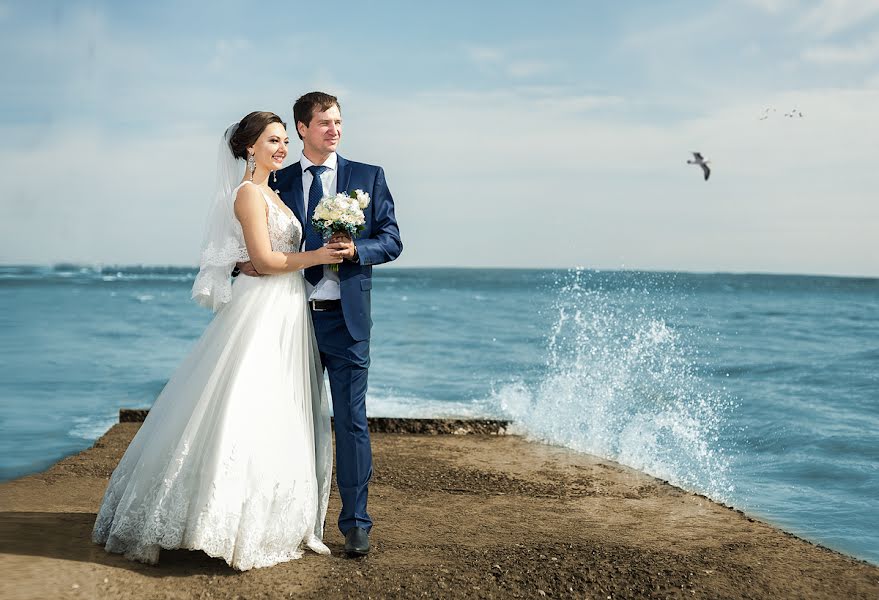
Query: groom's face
322, 135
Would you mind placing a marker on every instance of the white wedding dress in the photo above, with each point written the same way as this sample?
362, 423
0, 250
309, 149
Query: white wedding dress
234, 458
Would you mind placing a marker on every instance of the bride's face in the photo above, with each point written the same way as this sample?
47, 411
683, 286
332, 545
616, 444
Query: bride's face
270, 148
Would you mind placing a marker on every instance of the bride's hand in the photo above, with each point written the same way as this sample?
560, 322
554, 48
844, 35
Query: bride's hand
345, 244
327, 255
247, 268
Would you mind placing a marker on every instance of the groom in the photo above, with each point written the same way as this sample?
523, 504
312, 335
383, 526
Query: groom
340, 300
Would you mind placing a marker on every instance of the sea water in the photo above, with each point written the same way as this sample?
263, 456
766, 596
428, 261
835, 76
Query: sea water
760, 391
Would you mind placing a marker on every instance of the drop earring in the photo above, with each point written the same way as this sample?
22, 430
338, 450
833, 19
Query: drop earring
274, 177
251, 165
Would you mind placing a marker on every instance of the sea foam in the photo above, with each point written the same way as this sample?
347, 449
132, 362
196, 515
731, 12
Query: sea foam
620, 383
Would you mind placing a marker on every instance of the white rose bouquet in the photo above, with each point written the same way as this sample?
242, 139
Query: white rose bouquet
342, 213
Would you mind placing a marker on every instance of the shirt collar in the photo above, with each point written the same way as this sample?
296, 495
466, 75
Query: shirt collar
330, 162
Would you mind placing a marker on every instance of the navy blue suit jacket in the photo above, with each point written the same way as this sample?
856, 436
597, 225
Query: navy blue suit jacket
378, 243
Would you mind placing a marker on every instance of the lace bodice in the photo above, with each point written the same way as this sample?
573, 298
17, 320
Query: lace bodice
285, 233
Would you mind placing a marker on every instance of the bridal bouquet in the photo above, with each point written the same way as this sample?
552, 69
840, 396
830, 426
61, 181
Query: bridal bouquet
342, 213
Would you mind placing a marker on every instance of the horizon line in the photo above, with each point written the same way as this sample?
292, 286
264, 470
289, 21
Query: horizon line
620, 269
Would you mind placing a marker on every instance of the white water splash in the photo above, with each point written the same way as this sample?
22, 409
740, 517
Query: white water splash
619, 384
93, 427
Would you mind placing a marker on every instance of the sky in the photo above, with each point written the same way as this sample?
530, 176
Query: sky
513, 134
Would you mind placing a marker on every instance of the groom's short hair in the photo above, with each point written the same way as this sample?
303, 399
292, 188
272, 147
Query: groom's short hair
303, 110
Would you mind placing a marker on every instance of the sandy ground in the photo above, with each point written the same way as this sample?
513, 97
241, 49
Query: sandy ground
457, 516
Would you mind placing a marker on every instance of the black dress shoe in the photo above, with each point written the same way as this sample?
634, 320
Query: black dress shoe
357, 542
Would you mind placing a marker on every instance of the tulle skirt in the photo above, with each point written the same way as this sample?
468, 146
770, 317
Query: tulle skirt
234, 458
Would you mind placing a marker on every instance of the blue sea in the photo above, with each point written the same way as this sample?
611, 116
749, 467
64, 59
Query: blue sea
760, 391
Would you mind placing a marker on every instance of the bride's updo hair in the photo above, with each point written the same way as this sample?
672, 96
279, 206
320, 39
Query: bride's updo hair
249, 130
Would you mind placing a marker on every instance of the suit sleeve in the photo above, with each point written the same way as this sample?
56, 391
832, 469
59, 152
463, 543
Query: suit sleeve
383, 244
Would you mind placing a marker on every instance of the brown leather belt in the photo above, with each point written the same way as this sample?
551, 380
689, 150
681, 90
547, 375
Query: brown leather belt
322, 305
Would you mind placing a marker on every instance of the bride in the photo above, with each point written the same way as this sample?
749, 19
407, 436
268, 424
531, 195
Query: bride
235, 458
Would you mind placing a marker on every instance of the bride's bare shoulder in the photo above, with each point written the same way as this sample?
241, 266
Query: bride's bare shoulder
249, 201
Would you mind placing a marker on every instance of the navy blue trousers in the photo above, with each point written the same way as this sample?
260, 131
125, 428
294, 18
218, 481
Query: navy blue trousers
346, 362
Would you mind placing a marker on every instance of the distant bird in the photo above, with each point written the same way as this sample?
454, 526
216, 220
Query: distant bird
766, 112
701, 162
794, 114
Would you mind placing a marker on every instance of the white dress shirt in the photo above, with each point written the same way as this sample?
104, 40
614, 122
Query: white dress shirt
328, 287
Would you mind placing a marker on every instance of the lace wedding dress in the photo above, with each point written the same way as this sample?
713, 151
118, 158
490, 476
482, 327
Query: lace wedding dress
234, 458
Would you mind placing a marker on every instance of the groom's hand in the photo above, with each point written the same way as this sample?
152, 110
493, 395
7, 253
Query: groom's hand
345, 244
247, 269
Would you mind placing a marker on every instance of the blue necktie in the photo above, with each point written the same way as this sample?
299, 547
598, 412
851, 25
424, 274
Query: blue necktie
313, 239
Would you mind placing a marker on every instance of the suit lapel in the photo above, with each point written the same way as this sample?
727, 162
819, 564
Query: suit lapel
343, 175
291, 193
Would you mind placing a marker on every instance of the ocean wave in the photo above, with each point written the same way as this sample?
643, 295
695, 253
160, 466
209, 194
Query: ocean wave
91, 428
620, 384
71, 273
406, 407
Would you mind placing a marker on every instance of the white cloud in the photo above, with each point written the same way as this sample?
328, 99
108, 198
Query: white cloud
751, 50
821, 18
504, 62
483, 55
94, 196
829, 17
229, 54
521, 69
773, 6
864, 52
678, 35
573, 103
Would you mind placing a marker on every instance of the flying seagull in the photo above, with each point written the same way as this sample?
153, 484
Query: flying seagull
766, 112
701, 162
